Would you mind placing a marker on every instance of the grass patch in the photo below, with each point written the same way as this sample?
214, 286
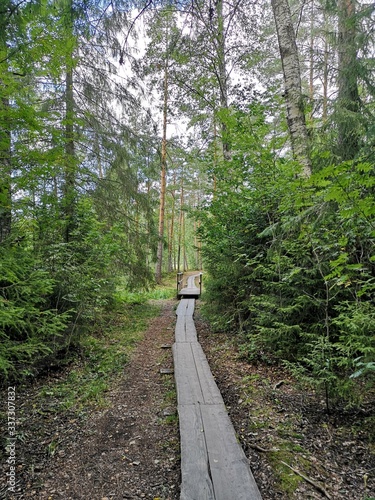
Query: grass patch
286, 478
171, 419
290, 454
166, 290
103, 353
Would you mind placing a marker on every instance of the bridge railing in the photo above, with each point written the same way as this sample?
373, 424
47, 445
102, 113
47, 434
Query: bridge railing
180, 279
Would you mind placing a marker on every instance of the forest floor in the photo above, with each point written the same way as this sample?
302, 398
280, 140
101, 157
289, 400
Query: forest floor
129, 447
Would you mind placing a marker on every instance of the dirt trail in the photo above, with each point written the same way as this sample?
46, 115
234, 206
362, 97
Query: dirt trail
129, 450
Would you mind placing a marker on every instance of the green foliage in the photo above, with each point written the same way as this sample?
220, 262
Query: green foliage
80, 268
29, 327
73, 212
364, 368
291, 262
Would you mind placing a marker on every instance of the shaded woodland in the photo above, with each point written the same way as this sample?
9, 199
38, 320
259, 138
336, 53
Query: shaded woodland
143, 139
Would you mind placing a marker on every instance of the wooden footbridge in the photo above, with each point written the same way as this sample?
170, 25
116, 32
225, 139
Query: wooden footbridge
213, 464
189, 291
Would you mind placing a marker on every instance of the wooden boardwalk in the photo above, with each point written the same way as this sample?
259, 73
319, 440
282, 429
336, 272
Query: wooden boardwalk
190, 291
213, 464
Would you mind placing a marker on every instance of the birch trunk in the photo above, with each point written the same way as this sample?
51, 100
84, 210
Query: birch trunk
222, 76
311, 62
325, 70
292, 80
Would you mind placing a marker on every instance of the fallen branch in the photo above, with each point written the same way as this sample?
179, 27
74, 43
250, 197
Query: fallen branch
263, 450
308, 480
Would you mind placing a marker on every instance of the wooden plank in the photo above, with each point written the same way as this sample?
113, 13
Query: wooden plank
189, 292
190, 308
185, 328
182, 306
190, 330
196, 482
210, 391
180, 332
187, 382
230, 471
213, 464
191, 282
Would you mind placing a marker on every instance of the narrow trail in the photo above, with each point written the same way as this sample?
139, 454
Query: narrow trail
131, 448
128, 450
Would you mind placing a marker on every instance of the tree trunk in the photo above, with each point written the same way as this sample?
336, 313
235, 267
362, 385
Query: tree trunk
5, 169
292, 80
185, 262
348, 97
69, 188
325, 70
214, 187
70, 167
222, 76
5, 142
311, 62
159, 255
181, 224
171, 228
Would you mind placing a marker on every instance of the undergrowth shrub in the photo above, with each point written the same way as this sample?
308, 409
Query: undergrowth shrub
29, 327
291, 269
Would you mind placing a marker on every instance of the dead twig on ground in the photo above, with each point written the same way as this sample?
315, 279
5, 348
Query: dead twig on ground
308, 480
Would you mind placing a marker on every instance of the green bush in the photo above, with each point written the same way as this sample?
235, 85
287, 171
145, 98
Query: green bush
29, 328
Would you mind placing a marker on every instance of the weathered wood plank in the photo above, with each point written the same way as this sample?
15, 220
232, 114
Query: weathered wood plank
166, 371
210, 391
230, 471
185, 327
191, 290
180, 331
190, 330
196, 482
213, 464
191, 293
185, 373
182, 306
191, 281
190, 308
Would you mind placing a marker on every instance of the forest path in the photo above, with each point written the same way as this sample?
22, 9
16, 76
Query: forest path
131, 450
127, 450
